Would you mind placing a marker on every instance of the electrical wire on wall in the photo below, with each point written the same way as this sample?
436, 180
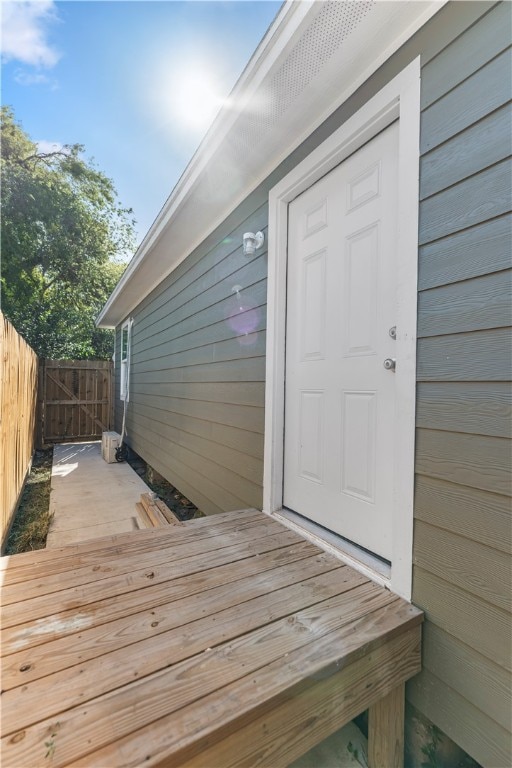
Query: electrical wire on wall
122, 449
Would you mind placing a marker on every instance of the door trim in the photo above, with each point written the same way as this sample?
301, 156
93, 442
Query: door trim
398, 100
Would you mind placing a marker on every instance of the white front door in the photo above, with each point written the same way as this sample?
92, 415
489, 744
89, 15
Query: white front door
341, 408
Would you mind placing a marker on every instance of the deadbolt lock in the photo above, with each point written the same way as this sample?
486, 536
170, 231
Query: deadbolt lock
392, 332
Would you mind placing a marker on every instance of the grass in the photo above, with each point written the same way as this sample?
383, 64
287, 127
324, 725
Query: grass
32, 520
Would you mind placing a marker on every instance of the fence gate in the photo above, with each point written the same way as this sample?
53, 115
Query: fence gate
75, 399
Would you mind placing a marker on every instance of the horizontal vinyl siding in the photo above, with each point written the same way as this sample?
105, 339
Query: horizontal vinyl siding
197, 375
197, 397
462, 534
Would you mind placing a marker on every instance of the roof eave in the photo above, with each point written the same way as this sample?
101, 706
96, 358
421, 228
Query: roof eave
152, 262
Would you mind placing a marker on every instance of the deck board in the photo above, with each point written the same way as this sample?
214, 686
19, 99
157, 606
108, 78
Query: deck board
181, 660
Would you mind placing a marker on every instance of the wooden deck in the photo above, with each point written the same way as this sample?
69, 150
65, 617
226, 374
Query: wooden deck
229, 641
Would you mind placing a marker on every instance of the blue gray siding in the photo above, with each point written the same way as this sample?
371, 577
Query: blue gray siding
196, 410
198, 368
462, 536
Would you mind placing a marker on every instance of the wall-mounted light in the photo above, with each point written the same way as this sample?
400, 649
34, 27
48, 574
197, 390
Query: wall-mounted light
252, 241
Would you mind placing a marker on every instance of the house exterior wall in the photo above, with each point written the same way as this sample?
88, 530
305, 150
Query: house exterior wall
462, 563
197, 385
197, 374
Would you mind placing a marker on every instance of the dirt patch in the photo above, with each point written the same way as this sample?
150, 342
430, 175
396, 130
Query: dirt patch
32, 518
175, 500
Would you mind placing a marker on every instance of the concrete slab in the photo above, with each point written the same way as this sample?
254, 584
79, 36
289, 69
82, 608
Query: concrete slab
90, 498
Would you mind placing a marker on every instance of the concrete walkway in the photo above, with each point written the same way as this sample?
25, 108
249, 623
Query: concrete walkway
90, 498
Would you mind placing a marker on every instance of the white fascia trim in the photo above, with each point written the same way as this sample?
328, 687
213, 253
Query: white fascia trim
275, 41
400, 99
280, 36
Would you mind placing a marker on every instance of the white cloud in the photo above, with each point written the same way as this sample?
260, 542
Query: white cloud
27, 78
24, 32
45, 147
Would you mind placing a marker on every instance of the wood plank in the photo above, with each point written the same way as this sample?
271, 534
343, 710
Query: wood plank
470, 565
477, 96
310, 714
471, 305
482, 626
466, 54
109, 609
69, 392
72, 365
482, 516
103, 401
472, 729
143, 516
386, 719
478, 147
175, 550
106, 718
64, 622
139, 578
31, 565
471, 407
150, 620
157, 519
147, 499
18, 398
473, 676
475, 461
28, 565
472, 201
478, 356
169, 515
103, 673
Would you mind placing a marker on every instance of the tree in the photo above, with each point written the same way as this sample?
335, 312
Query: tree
65, 243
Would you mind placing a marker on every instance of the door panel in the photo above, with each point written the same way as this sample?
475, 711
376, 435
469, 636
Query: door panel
340, 404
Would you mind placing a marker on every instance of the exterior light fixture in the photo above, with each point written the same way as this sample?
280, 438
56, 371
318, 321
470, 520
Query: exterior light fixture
252, 241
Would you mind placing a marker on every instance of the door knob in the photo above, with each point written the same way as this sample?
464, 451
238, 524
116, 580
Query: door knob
390, 363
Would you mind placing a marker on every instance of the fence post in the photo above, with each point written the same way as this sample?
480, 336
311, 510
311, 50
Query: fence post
40, 405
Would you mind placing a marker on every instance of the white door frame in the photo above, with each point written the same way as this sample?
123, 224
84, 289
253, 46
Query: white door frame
398, 100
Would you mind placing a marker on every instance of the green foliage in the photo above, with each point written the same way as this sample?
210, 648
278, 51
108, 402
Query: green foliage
65, 242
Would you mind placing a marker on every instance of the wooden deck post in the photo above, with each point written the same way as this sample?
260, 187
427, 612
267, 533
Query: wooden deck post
386, 730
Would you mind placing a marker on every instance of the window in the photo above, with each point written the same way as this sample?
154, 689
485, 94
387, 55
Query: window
125, 361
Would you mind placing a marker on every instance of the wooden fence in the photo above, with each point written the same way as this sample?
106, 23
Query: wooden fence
75, 399
18, 397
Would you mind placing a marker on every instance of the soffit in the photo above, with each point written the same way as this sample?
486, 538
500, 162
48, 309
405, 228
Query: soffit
313, 57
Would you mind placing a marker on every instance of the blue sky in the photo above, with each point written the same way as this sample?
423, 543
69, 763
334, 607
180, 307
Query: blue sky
136, 81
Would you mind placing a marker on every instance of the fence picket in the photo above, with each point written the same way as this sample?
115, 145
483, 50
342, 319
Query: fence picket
77, 399
18, 398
